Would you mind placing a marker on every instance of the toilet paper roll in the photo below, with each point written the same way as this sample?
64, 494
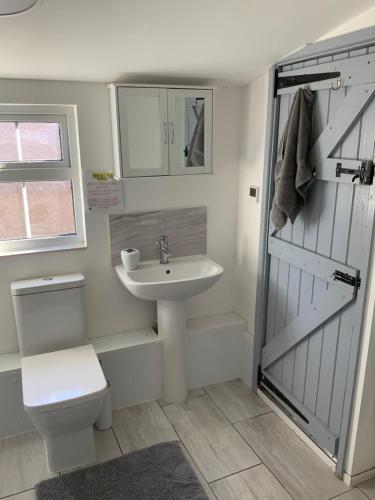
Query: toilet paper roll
130, 258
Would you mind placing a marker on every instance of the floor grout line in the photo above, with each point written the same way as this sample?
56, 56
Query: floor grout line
243, 439
344, 493
251, 418
359, 487
185, 448
265, 465
117, 441
235, 473
18, 493
226, 422
195, 463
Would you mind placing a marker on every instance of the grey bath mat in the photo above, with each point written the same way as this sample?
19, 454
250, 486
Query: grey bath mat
160, 472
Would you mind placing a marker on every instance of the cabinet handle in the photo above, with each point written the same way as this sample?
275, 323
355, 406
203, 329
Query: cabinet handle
172, 132
165, 125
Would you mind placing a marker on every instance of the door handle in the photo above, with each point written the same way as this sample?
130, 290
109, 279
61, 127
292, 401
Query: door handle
172, 132
165, 125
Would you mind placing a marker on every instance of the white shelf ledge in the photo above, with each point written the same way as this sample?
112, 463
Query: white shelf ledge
124, 340
139, 338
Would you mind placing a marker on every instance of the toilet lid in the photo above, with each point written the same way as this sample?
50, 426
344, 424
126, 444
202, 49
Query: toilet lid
61, 379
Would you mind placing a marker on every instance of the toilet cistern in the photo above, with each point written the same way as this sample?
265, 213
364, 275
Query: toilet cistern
64, 387
164, 250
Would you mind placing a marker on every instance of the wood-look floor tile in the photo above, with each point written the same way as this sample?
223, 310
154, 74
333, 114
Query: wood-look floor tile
141, 425
23, 463
368, 487
26, 495
199, 475
106, 446
210, 439
236, 400
192, 393
355, 494
294, 464
256, 483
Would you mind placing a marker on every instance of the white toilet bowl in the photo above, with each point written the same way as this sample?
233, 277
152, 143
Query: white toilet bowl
63, 392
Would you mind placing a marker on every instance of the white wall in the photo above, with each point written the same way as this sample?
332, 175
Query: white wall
251, 171
364, 20
361, 453
111, 308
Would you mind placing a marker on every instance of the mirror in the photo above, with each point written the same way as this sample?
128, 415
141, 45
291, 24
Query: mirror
189, 132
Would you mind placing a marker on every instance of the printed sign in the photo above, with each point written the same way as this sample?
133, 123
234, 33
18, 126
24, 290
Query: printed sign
103, 192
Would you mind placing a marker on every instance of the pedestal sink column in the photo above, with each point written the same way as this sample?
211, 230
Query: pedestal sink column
171, 328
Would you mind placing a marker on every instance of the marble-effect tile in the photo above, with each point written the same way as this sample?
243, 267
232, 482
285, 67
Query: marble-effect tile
141, 425
186, 229
214, 445
256, 483
368, 487
236, 400
23, 463
290, 459
355, 494
106, 446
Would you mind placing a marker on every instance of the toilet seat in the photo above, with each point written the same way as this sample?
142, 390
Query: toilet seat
61, 379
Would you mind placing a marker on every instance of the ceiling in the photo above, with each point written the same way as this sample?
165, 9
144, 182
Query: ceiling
129, 40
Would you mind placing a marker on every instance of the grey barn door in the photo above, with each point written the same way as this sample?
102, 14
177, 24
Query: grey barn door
318, 266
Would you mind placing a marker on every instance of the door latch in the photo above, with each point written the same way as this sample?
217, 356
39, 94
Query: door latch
365, 173
354, 281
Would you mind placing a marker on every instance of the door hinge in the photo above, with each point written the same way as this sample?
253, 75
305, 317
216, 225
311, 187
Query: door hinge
365, 173
283, 82
354, 281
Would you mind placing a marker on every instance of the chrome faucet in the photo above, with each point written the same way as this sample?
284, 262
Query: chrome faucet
164, 250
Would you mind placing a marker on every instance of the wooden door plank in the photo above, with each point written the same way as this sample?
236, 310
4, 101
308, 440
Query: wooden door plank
300, 358
330, 331
338, 127
314, 352
272, 293
347, 210
331, 303
280, 316
342, 226
327, 369
291, 314
311, 262
341, 370
277, 267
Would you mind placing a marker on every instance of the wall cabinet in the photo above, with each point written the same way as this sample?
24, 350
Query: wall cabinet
161, 131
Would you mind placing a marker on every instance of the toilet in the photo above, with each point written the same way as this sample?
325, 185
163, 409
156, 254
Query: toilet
63, 384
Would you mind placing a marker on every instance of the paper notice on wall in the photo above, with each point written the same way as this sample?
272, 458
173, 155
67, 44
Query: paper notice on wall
103, 192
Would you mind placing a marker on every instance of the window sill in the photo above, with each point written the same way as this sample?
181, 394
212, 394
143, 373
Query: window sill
54, 248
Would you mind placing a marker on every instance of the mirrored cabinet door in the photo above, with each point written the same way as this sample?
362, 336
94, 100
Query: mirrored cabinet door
190, 131
143, 131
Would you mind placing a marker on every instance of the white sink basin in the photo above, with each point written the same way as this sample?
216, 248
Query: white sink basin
170, 284
183, 277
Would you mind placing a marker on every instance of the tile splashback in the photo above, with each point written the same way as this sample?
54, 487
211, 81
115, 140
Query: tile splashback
186, 229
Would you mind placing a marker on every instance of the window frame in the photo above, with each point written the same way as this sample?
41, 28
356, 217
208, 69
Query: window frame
69, 168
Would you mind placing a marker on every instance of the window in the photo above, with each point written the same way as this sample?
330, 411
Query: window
41, 204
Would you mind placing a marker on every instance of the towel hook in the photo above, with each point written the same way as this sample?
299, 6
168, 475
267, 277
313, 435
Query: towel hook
338, 84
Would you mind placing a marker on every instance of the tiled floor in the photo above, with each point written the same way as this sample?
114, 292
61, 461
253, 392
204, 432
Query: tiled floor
239, 449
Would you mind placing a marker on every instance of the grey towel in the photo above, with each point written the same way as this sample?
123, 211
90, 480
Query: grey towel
292, 171
195, 156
